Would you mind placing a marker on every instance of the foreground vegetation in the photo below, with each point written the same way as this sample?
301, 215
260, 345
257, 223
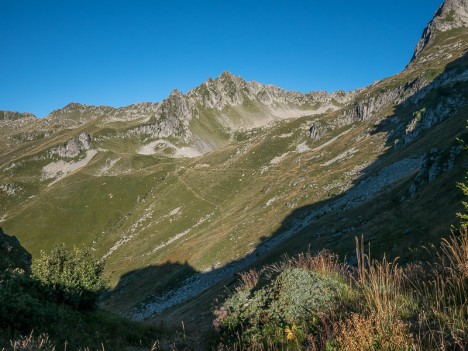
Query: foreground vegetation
54, 306
307, 302
314, 302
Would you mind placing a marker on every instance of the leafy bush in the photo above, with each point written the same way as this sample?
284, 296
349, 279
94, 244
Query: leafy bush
283, 310
71, 277
23, 309
301, 296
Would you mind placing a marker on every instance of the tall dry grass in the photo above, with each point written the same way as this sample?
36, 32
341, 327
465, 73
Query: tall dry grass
361, 332
444, 296
418, 307
382, 285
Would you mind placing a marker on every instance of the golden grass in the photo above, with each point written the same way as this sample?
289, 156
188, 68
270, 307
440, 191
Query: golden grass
444, 316
249, 279
368, 333
381, 284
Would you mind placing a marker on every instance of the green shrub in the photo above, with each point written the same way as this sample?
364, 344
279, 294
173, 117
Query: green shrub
282, 311
22, 309
302, 296
71, 277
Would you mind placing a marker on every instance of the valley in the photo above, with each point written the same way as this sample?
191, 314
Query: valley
180, 196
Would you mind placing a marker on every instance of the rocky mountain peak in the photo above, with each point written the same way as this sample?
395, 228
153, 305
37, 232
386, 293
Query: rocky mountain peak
226, 75
175, 93
229, 82
451, 14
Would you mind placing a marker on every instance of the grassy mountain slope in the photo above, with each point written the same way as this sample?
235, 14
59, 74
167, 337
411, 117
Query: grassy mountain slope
382, 161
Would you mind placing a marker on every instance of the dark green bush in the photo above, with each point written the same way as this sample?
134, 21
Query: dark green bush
23, 309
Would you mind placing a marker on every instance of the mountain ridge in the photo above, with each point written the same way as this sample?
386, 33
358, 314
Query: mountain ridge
202, 184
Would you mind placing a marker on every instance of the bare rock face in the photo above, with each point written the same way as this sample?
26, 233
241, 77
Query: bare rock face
435, 163
452, 14
316, 131
369, 105
231, 90
171, 117
74, 147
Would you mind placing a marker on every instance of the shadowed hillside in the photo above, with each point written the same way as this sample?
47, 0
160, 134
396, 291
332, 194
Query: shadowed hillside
181, 195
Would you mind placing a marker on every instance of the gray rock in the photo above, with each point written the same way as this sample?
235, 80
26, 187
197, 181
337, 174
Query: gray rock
316, 130
74, 147
452, 14
434, 164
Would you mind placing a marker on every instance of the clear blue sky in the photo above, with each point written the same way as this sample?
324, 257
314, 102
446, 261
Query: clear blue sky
116, 53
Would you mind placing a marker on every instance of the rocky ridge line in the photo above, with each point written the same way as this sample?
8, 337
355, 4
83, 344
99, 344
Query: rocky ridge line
450, 15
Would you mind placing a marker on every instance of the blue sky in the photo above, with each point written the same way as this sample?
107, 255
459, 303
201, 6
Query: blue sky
116, 53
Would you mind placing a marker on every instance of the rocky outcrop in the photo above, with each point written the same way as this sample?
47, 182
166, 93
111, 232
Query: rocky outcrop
74, 147
11, 189
16, 120
13, 116
12, 254
367, 105
435, 163
170, 118
316, 130
452, 14
138, 110
426, 118
230, 90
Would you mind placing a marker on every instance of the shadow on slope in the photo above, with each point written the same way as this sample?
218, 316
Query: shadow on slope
380, 203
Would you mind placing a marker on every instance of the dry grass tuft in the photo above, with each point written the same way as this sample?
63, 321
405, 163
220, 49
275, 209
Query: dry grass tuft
444, 316
381, 283
249, 280
368, 333
323, 262
32, 343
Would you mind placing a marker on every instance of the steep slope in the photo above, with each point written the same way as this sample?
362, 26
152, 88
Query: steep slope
452, 15
180, 195
13, 255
